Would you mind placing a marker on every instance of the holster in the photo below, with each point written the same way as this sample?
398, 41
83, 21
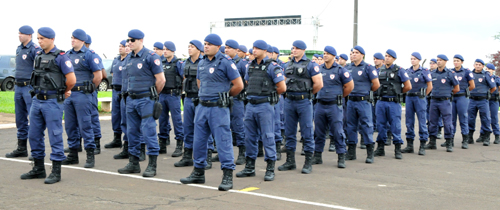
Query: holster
157, 109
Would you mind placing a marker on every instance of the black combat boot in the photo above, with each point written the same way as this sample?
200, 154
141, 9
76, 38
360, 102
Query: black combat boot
209, 159
497, 139
351, 152
369, 153
142, 156
290, 162
449, 146
440, 133
409, 147
481, 138
317, 159
380, 149
97, 141
124, 153
261, 150
341, 161
116, 143
486, 138
332, 148
55, 176
178, 149
302, 152
241, 155
132, 166
196, 177
151, 169
38, 171
307, 168
227, 180
397, 151
187, 158
465, 141
432, 143
215, 148
389, 138
421, 149
270, 170
233, 135
163, 145
249, 169
67, 150
90, 158
72, 157
471, 135
21, 151
362, 143
278, 153
215, 158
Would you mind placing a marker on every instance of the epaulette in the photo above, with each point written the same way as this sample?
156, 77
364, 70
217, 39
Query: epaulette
244, 59
227, 56
92, 51
39, 53
62, 53
36, 46
274, 63
152, 53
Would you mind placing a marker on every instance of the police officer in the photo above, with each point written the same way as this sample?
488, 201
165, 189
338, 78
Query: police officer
144, 74
116, 84
315, 58
416, 103
343, 60
433, 67
78, 107
338, 84
394, 82
320, 59
276, 55
222, 50
171, 100
280, 105
190, 68
160, 50
242, 51
494, 104
251, 57
485, 86
378, 62
265, 83
359, 107
52, 81
215, 74
25, 56
444, 83
303, 81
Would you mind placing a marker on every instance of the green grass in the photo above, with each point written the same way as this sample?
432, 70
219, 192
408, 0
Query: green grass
7, 102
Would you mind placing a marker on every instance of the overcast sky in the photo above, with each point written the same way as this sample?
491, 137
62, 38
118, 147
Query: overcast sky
430, 27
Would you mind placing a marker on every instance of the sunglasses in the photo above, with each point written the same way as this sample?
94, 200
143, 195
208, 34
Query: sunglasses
131, 40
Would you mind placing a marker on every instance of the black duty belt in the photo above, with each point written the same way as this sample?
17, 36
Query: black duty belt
192, 95
170, 91
494, 98
209, 103
322, 102
359, 98
459, 94
139, 96
389, 99
45, 97
22, 84
478, 97
79, 88
298, 97
259, 101
440, 98
414, 94
116, 87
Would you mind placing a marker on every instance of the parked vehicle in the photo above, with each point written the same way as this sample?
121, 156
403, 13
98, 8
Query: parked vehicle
7, 71
106, 82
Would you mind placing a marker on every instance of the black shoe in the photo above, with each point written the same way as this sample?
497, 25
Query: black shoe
72, 157
124, 153
440, 135
465, 141
21, 150
261, 150
278, 153
290, 162
116, 143
397, 151
269, 170
55, 175
215, 158
151, 169
432, 143
90, 158
142, 156
486, 138
227, 180
497, 139
409, 146
449, 147
209, 159
97, 142
178, 149
249, 169
241, 155
369, 153
341, 161
80, 149
307, 168
351, 152
187, 158
38, 171
196, 177
332, 148
132, 166
163, 145
389, 138
421, 149
481, 138
317, 159
380, 151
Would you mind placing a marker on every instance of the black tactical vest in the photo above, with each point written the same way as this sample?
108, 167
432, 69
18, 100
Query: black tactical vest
390, 83
259, 83
172, 79
297, 77
190, 84
47, 75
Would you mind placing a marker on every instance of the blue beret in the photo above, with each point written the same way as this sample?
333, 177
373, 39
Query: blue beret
243, 48
136, 34
344, 56
170, 46
80, 34
391, 53
337, 57
480, 61
270, 49
123, 42
158, 45
197, 44
443, 57
232, 44
434, 60
26, 30
320, 56
379, 56
490, 66
360, 49
214, 39
222, 49
331, 50
459, 57
315, 55
417, 55
47, 32
261, 44
89, 40
276, 50
300, 44
250, 51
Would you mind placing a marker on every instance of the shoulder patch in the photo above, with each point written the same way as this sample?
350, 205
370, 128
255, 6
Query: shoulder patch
36, 46
369, 65
61, 53
92, 51
274, 63
244, 59
452, 71
227, 56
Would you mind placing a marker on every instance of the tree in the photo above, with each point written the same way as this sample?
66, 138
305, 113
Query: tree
497, 37
495, 60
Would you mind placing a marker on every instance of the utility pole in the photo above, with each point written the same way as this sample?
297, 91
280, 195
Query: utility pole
355, 32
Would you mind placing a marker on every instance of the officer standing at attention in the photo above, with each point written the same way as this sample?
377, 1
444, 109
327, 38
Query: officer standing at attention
337, 84
160, 50
265, 83
494, 104
416, 103
444, 83
320, 60
485, 86
190, 68
251, 57
144, 75
25, 56
315, 58
276, 55
216, 72
433, 67
242, 51
170, 99
222, 50
78, 107
359, 110
378, 62
116, 116
52, 81
343, 60
303, 80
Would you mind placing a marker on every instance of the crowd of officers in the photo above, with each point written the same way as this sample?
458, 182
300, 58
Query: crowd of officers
254, 102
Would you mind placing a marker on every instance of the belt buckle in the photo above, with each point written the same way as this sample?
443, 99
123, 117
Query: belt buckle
302, 96
78, 88
45, 97
24, 83
362, 98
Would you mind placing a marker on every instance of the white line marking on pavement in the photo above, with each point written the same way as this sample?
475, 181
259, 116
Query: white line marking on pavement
195, 185
13, 125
